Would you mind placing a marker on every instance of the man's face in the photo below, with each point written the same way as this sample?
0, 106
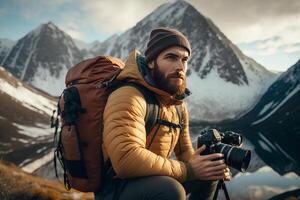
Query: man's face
169, 70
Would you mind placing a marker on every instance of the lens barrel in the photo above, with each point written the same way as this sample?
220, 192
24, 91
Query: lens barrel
235, 157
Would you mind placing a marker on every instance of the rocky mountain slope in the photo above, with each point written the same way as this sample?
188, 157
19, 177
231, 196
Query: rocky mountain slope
25, 113
42, 57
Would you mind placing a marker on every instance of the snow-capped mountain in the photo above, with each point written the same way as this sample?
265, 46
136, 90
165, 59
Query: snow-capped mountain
25, 114
275, 122
5, 47
282, 91
224, 82
272, 125
42, 57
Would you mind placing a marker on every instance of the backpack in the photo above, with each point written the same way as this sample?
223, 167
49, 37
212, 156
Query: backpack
78, 144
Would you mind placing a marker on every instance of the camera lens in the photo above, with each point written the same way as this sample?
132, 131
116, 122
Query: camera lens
235, 157
232, 138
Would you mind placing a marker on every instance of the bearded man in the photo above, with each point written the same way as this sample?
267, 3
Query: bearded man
141, 163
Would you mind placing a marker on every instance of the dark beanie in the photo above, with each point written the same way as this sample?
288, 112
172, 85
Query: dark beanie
163, 38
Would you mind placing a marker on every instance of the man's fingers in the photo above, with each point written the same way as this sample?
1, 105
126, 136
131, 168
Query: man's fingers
217, 168
200, 150
227, 169
215, 163
227, 176
213, 156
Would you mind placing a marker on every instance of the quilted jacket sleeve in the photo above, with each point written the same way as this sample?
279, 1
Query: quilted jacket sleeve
184, 149
125, 139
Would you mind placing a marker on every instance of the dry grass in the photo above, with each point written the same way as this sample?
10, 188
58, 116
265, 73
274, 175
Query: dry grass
16, 184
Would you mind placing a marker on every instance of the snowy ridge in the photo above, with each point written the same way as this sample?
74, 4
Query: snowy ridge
46, 82
34, 131
32, 46
34, 165
275, 106
25, 121
215, 95
286, 86
25, 96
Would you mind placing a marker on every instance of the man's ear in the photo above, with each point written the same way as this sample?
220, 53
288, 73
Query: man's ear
151, 65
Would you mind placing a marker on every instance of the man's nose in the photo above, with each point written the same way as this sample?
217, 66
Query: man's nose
180, 66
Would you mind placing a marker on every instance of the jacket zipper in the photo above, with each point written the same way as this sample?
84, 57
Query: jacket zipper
171, 145
179, 143
153, 136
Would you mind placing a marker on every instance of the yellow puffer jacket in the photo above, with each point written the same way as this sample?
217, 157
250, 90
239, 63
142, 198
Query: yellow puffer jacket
125, 142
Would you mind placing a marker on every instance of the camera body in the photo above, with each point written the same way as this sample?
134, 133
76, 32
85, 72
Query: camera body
227, 143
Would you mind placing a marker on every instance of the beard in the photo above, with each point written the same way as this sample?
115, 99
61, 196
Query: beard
165, 83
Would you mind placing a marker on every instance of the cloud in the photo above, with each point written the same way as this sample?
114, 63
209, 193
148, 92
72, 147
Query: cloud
35, 9
71, 22
283, 45
292, 49
246, 21
241, 21
74, 33
116, 16
249, 20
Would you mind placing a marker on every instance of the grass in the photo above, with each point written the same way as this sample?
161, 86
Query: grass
16, 184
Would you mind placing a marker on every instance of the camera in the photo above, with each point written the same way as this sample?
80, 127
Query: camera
227, 143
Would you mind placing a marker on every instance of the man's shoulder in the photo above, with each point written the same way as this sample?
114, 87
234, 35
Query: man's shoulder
127, 93
126, 99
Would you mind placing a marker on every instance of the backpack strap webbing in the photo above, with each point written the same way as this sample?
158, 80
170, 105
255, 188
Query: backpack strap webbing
180, 115
152, 111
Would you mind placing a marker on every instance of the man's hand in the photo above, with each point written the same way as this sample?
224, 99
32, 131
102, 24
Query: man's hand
209, 167
227, 174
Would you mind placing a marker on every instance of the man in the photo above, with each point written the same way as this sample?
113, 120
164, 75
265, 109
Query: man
141, 162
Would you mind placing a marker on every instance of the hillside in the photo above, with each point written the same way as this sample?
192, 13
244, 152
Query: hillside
16, 184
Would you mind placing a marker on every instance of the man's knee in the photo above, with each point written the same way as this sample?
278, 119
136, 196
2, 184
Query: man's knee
170, 188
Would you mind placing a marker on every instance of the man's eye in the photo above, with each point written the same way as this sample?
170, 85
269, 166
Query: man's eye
172, 57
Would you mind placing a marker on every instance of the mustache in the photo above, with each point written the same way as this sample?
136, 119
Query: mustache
177, 74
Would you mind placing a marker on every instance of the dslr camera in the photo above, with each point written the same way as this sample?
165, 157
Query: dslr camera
228, 143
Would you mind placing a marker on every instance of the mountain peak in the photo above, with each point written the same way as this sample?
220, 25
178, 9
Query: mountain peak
44, 27
182, 3
50, 25
167, 10
43, 56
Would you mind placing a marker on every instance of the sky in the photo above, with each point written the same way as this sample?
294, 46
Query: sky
266, 30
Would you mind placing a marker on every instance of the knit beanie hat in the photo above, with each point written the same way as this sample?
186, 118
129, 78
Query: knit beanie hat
163, 38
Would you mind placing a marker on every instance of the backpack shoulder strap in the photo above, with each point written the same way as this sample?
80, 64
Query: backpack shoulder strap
152, 111
180, 115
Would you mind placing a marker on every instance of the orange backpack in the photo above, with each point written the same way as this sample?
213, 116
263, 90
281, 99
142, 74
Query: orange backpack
80, 108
